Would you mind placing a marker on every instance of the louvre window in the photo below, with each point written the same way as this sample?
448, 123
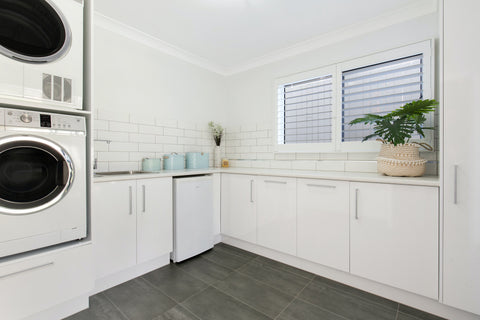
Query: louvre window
314, 108
379, 89
305, 111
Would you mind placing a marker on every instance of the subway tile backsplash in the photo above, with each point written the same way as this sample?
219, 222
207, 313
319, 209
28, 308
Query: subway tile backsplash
251, 146
134, 137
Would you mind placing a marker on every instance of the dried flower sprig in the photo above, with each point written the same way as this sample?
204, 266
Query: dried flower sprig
217, 131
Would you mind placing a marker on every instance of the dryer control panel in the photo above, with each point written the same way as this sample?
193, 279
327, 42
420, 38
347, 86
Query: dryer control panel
45, 120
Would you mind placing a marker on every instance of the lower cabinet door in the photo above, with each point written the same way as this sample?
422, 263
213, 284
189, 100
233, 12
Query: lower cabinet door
35, 284
323, 222
238, 212
154, 218
394, 235
114, 226
276, 214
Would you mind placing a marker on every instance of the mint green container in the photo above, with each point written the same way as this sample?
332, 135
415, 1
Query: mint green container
173, 161
151, 164
197, 160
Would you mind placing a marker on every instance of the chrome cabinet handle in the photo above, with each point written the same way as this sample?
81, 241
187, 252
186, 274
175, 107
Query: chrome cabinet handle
356, 204
455, 181
26, 270
251, 190
321, 186
273, 181
130, 200
143, 192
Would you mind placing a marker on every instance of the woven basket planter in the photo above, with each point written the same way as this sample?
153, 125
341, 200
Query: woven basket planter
401, 168
402, 160
407, 151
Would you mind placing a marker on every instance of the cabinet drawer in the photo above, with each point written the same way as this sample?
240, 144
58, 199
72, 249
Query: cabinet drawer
39, 283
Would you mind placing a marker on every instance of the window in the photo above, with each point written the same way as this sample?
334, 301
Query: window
379, 89
314, 108
305, 111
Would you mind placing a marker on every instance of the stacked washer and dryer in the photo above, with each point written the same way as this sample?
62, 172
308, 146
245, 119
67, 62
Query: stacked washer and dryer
42, 153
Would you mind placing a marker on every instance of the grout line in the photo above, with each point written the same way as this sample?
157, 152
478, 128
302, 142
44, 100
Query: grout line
265, 283
241, 301
283, 270
162, 291
193, 295
121, 312
355, 296
319, 307
191, 312
295, 297
232, 252
398, 311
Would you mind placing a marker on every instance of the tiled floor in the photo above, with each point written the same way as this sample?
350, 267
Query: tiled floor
227, 283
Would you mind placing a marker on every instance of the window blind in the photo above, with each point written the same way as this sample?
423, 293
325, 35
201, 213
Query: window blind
305, 111
379, 89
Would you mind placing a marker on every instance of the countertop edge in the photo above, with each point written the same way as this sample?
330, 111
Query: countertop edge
431, 181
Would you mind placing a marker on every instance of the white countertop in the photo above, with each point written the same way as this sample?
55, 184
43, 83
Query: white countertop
432, 181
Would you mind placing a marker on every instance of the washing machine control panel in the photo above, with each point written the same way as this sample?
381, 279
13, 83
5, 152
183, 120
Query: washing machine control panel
34, 119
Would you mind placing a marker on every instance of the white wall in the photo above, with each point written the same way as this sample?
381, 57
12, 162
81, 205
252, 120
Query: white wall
132, 76
251, 105
148, 103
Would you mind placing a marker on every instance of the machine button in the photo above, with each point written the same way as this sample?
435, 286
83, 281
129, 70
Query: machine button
26, 118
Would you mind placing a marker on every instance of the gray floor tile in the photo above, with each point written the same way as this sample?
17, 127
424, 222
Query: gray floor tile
234, 250
205, 270
212, 304
100, 309
260, 288
177, 313
357, 292
226, 259
418, 314
174, 282
254, 293
301, 310
344, 304
284, 267
284, 281
139, 300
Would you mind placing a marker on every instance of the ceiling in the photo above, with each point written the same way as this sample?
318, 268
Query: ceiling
231, 33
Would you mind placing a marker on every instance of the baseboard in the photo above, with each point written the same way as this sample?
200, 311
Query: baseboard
129, 274
217, 238
62, 310
401, 296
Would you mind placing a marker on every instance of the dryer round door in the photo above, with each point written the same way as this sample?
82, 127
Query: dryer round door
35, 173
33, 31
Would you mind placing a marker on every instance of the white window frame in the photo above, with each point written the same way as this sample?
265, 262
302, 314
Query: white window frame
425, 47
307, 147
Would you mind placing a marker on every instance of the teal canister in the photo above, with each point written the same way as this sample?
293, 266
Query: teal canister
174, 161
197, 160
151, 164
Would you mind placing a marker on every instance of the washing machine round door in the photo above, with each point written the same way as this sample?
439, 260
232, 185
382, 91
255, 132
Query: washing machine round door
33, 31
35, 173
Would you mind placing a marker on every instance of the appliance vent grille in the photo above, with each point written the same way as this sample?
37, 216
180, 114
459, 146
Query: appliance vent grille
56, 88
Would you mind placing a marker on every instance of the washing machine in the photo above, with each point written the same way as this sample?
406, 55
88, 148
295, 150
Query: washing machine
41, 53
42, 180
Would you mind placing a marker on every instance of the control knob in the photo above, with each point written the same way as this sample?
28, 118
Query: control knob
26, 118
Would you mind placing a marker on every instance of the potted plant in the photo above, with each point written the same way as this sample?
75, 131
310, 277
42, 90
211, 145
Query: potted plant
217, 131
398, 156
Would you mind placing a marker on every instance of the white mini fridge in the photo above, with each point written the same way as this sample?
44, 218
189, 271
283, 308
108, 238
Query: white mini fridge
193, 216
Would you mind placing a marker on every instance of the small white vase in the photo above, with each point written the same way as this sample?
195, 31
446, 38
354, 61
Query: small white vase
217, 160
